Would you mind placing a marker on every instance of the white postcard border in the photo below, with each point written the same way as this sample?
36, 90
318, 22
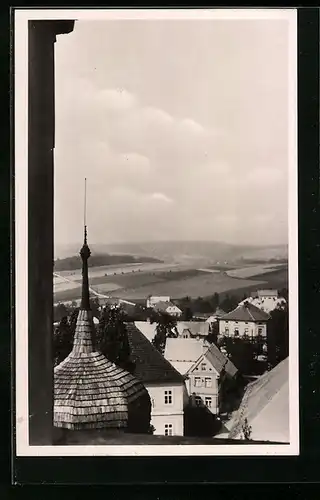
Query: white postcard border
21, 233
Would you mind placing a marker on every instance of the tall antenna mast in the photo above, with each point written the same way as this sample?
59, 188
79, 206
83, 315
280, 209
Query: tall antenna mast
85, 211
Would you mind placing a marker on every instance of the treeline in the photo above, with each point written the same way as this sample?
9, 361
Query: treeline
74, 262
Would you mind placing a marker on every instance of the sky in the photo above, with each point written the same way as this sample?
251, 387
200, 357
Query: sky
180, 126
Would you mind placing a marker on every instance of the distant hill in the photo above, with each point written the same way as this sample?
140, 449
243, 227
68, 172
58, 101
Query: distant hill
188, 252
74, 262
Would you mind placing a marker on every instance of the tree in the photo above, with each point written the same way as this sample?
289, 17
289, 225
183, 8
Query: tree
166, 327
213, 333
246, 430
62, 341
229, 303
112, 337
242, 354
95, 306
187, 314
278, 335
60, 311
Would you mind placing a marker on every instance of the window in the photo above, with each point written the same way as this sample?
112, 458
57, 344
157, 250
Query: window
208, 382
197, 382
203, 367
226, 331
198, 401
236, 332
168, 431
167, 397
208, 401
246, 331
260, 330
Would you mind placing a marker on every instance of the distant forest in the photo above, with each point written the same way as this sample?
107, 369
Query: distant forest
74, 262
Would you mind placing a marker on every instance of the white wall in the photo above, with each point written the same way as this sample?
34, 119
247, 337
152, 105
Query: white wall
167, 413
174, 311
251, 329
196, 384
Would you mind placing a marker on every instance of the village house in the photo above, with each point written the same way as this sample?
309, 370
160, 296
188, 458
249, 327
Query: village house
193, 329
168, 308
246, 320
205, 368
266, 300
164, 383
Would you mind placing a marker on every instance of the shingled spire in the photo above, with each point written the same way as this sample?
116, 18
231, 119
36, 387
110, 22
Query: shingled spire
90, 392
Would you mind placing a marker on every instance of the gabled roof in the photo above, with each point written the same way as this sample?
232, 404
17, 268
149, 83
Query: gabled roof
194, 327
151, 366
220, 362
179, 349
265, 405
163, 306
183, 353
90, 392
246, 312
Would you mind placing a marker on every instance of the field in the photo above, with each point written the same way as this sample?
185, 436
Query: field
136, 282
251, 271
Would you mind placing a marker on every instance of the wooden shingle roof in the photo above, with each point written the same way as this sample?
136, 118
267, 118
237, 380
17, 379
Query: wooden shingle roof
90, 392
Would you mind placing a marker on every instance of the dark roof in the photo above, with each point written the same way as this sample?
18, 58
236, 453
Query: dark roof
220, 362
151, 366
246, 312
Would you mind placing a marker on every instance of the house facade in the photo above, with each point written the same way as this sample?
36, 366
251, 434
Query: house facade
204, 367
207, 376
246, 320
163, 382
168, 401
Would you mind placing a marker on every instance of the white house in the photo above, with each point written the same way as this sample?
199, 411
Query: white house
165, 385
168, 308
207, 376
152, 300
205, 368
265, 406
246, 320
266, 300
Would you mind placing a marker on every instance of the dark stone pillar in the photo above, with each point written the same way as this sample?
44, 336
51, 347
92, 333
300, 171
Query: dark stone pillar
42, 35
